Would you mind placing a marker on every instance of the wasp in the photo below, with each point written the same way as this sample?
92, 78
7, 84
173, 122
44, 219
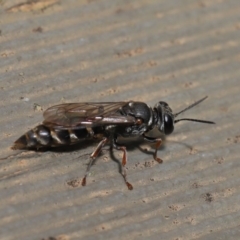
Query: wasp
69, 123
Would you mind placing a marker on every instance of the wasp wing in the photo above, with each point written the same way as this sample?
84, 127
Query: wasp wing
77, 115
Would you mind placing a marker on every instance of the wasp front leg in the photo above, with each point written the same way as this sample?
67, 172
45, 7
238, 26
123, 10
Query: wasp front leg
93, 157
158, 142
124, 161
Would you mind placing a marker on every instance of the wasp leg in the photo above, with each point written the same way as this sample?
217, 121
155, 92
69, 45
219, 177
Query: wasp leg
93, 157
158, 142
124, 162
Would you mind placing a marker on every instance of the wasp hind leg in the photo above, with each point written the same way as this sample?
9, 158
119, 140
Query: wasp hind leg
158, 142
93, 157
124, 161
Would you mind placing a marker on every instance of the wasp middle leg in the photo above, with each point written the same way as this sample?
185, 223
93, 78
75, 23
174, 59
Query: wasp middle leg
124, 161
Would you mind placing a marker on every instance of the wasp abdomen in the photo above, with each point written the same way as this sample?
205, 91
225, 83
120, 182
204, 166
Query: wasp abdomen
43, 136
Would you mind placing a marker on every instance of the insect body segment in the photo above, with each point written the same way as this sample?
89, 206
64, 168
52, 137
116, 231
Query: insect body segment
48, 136
67, 124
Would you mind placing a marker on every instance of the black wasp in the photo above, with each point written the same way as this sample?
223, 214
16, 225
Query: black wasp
67, 124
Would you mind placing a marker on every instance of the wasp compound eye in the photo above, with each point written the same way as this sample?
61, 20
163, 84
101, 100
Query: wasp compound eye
168, 124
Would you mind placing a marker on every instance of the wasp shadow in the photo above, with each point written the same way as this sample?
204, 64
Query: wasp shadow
132, 144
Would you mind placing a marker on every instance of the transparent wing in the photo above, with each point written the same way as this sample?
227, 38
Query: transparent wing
86, 114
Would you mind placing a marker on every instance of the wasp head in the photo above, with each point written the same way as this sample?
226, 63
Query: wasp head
165, 118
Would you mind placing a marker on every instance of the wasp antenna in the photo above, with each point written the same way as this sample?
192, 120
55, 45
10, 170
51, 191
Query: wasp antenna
192, 105
194, 120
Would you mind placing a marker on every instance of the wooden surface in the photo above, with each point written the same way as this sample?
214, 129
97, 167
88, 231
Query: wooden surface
178, 51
